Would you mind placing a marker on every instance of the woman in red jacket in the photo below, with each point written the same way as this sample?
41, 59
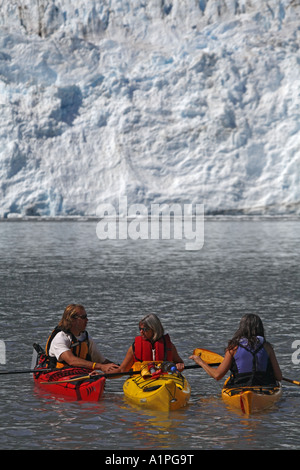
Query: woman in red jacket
151, 345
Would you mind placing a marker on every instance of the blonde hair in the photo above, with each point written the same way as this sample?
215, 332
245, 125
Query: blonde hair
153, 322
69, 314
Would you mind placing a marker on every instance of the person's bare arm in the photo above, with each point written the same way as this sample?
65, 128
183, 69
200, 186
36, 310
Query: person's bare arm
220, 371
75, 361
128, 361
274, 362
177, 359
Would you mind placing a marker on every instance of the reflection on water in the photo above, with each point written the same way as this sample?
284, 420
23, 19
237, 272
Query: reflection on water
244, 266
150, 427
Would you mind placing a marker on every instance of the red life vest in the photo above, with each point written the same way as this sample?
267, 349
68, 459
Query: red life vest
143, 350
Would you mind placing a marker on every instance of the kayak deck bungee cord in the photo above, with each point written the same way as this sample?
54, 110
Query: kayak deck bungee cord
251, 399
160, 390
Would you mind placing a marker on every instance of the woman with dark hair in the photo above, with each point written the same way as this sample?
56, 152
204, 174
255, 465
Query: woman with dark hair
70, 344
151, 345
249, 357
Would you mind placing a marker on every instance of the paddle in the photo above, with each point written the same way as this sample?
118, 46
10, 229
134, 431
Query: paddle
207, 355
295, 382
96, 376
117, 374
26, 371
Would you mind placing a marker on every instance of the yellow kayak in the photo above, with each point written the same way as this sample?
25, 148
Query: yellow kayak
251, 399
247, 399
161, 391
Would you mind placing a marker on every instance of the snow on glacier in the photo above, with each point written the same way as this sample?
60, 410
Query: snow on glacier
194, 101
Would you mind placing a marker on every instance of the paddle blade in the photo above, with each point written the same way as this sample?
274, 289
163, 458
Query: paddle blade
208, 356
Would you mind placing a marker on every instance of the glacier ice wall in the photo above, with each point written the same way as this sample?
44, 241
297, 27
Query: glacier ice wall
158, 100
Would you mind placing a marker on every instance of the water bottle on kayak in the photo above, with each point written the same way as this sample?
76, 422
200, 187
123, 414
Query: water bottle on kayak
169, 367
151, 368
154, 371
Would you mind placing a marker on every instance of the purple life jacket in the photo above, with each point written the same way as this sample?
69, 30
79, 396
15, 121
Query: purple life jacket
251, 360
251, 366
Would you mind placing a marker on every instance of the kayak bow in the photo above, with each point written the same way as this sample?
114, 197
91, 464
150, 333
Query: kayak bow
72, 383
163, 391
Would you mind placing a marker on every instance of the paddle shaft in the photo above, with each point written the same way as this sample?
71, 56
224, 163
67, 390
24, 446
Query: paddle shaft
295, 382
26, 371
133, 372
196, 366
115, 374
118, 374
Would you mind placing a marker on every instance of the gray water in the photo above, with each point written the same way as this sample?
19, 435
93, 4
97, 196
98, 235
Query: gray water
245, 266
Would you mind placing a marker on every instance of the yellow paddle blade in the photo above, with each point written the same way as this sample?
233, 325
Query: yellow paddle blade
145, 371
208, 356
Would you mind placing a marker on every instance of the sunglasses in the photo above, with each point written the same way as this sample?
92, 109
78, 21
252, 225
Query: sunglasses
141, 328
82, 317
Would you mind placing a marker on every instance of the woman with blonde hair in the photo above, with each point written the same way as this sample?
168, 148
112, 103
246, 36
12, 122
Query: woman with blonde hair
151, 345
70, 344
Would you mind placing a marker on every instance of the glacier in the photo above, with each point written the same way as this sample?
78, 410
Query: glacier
160, 101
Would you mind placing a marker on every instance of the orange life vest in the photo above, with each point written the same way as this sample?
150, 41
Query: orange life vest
161, 350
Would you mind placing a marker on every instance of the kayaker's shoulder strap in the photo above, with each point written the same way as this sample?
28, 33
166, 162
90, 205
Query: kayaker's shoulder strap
245, 346
81, 348
76, 342
255, 352
56, 330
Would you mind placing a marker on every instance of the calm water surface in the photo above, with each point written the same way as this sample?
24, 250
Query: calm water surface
245, 266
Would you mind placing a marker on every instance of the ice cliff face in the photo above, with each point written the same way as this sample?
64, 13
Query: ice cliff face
156, 100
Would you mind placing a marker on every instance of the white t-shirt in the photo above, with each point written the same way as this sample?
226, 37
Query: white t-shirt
62, 342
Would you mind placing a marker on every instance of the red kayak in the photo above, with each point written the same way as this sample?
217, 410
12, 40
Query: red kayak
72, 382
